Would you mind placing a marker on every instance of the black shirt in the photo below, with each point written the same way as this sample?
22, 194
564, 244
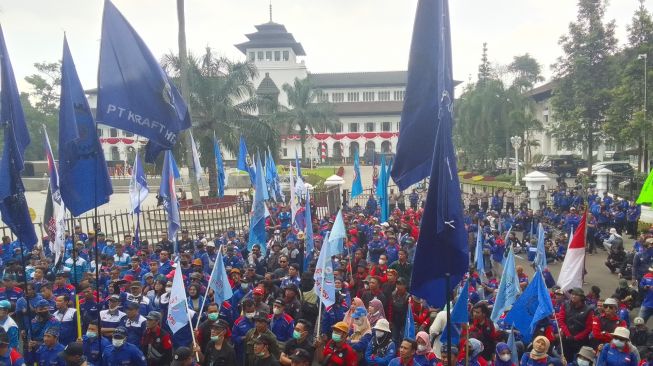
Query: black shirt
226, 356
292, 345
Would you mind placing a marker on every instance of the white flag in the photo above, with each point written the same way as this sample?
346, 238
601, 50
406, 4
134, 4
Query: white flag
178, 304
196, 158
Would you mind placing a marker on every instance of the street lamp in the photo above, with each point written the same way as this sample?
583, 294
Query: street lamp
516, 143
644, 56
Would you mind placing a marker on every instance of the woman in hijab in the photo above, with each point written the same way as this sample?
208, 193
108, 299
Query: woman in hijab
381, 350
375, 311
502, 355
355, 303
424, 355
475, 349
538, 355
361, 334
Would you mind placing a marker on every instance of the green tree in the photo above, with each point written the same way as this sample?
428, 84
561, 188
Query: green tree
484, 69
46, 86
305, 114
583, 78
527, 72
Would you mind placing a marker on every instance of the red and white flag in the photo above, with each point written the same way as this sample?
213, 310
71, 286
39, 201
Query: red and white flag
571, 273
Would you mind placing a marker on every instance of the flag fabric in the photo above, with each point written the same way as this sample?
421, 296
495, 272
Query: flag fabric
298, 165
175, 168
197, 166
83, 175
338, 234
261, 169
429, 75
540, 256
57, 217
459, 315
167, 192
219, 163
242, 163
427, 122
382, 191
531, 307
508, 287
571, 272
324, 280
134, 93
138, 189
294, 200
178, 303
478, 252
646, 194
259, 212
513, 347
13, 205
308, 241
219, 282
356, 184
409, 327
271, 171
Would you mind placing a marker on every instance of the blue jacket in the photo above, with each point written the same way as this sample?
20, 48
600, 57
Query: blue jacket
526, 360
92, 348
612, 356
382, 357
282, 326
49, 356
127, 354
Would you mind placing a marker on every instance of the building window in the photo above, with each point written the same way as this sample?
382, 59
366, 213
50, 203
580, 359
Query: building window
398, 125
260, 55
322, 97
352, 97
113, 132
353, 127
252, 56
337, 127
115, 155
368, 96
99, 132
285, 152
386, 126
277, 55
338, 97
369, 126
128, 134
268, 55
384, 96
399, 94
286, 55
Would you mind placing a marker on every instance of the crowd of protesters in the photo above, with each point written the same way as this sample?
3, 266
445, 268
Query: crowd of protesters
272, 317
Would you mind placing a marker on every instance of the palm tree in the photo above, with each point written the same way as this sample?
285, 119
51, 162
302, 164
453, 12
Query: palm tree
305, 114
222, 99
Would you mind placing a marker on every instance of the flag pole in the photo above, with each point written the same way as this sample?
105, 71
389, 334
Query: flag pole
319, 310
192, 333
448, 309
74, 250
29, 310
206, 294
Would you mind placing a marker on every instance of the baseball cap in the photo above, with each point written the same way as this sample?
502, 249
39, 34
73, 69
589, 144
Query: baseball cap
120, 333
4, 304
153, 315
265, 339
72, 349
301, 355
181, 355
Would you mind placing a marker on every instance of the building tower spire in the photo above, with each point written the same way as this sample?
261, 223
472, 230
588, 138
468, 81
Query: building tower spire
270, 11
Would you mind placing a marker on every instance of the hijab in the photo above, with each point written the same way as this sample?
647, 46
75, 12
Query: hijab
378, 312
355, 302
501, 347
424, 337
476, 347
536, 355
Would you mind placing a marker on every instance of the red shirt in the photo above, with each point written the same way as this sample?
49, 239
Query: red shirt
344, 356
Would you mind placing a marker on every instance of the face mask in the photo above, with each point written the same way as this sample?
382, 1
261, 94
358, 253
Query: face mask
582, 362
277, 311
367, 286
44, 314
244, 286
379, 333
296, 334
381, 261
215, 338
249, 315
90, 334
336, 337
618, 343
421, 347
117, 342
213, 316
506, 357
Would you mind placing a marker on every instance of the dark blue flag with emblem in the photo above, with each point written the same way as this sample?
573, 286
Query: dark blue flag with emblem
13, 206
134, 93
83, 177
442, 244
532, 306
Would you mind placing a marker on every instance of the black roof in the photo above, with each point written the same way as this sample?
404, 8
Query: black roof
542, 92
267, 86
270, 35
359, 79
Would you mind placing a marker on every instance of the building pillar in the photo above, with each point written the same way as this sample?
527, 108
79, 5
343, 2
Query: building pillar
534, 181
602, 180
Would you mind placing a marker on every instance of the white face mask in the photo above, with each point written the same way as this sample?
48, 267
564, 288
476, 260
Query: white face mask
421, 347
379, 333
618, 343
249, 315
505, 357
277, 311
381, 261
581, 362
117, 342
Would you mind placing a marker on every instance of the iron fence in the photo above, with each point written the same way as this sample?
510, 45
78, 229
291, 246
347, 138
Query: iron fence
626, 186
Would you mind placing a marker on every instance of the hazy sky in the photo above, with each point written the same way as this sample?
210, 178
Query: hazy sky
338, 35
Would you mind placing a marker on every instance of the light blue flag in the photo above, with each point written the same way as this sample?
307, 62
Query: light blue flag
325, 287
138, 189
242, 163
219, 282
298, 166
514, 356
459, 316
478, 253
531, 307
221, 178
276, 185
382, 190
508, 288
540, 257
260, 169
178, 303
175, 168
409, 327
259, 212
309, 241
168, 194
338, 234
356, 184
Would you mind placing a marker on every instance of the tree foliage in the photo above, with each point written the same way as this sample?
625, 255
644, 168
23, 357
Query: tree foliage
46, 86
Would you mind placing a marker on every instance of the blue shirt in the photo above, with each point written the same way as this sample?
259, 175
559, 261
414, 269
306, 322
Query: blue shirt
92, 348
612, 356
39, 327
282, 326
135, 329
49, 356
127, 355
12, 358
67, 325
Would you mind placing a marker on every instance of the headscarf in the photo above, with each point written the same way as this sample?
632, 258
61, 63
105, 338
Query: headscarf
476, 347
378, 312
360, 331
501, 347
424, 337
355, 302
536, 355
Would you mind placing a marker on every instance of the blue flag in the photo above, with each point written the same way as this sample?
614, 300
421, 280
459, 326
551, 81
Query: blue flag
242, 163
478, 253
308, 241
134, 93
540, 256
13, 205
382, 191
298, 165
531, 307
259, 212
138, 189
356, 184
168, 194
409, 327
429, 86
221, 178
272, 175
219, 281
514, 356
338, 234
175, 168
508, 287
459, 316
427, 122
84, 178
